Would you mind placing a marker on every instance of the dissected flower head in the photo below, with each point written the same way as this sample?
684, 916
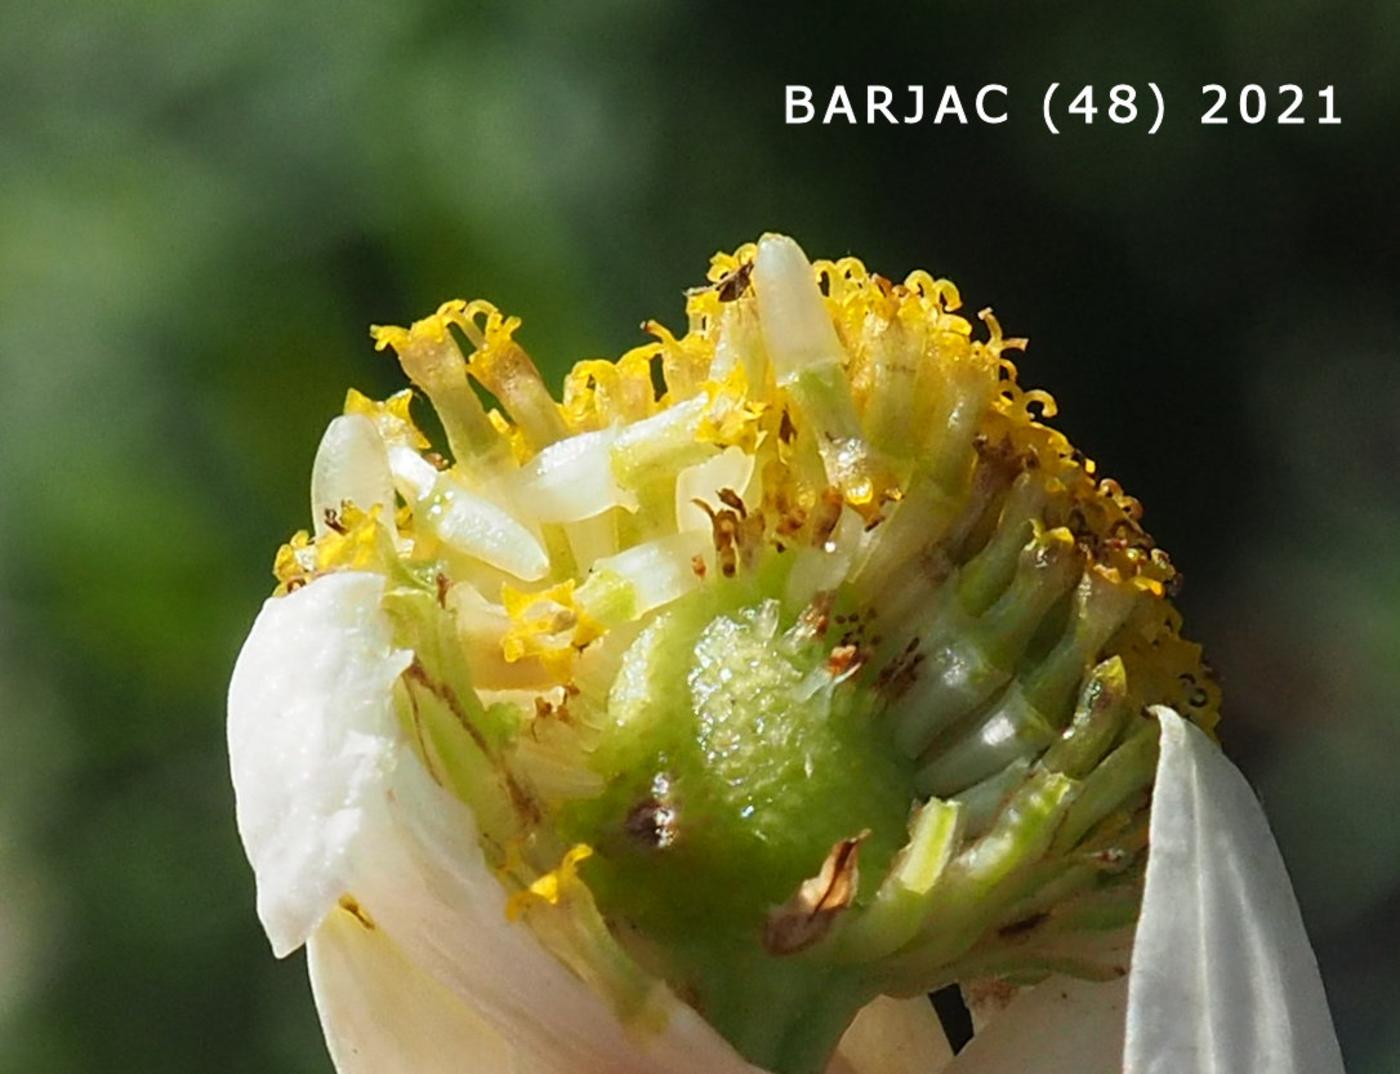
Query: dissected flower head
783, 664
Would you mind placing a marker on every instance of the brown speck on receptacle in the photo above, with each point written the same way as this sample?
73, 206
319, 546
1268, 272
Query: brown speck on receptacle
652, 822
816, 617
828, 515
844, 661
787, 431
1021, 928
988, 996
351, 906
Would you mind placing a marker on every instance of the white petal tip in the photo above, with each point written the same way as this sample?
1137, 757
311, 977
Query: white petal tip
310, 720
796, 329
1223, 975
352, 466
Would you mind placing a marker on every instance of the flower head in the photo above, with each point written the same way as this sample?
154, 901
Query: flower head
783, 665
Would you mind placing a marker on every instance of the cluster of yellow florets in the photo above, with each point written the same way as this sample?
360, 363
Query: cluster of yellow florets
910, 363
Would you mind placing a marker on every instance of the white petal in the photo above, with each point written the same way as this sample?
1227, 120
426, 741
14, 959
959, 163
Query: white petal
1064, 1025
1061, 1026
422, 879
382, 1015
1223, 976
351, 465
893, 1036
310, 720
333, 802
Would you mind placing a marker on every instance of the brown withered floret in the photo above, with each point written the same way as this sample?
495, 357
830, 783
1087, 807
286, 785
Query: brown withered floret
827, 515
844, 660
811, 911
733, 286
816, 617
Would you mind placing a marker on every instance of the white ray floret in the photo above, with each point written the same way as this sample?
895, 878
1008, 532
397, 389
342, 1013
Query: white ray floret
337, 813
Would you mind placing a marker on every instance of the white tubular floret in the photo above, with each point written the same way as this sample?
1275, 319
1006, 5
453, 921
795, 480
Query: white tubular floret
474, 526
573, 480
654, 573
797, 331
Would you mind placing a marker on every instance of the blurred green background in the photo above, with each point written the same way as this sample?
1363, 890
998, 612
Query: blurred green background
203, 206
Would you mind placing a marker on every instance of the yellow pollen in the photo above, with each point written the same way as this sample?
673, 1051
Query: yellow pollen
552, 886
